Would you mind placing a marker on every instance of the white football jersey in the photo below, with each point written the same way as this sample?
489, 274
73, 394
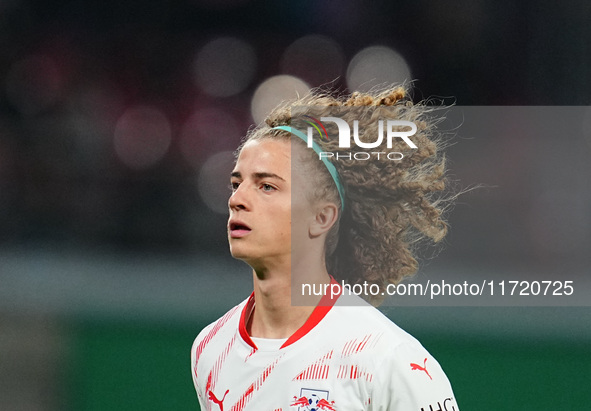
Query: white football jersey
343, 358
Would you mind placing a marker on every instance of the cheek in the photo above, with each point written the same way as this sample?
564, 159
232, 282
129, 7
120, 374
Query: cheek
277, 220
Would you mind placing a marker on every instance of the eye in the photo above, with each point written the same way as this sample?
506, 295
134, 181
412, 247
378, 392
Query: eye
234, 185
267, 187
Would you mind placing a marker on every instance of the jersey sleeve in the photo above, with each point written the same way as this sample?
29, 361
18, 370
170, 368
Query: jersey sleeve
194, 369
411, 379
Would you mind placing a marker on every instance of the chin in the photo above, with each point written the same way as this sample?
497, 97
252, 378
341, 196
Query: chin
240, 252
254, 260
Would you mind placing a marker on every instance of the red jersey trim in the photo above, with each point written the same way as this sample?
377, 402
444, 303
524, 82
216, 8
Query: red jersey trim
246, 311
323, 307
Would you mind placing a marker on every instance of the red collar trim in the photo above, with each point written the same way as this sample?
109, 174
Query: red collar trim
323, 307
244, 317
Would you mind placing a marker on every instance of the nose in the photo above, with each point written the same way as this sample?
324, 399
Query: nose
238, 198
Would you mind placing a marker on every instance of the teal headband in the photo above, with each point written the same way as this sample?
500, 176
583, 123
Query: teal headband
330, 167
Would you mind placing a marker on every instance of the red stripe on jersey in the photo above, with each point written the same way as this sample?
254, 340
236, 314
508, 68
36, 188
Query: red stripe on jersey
214, 373
250, 354
347, 347
208, 384
354, 347
353, 372
318, 370
362, 343
255, 386
214, 330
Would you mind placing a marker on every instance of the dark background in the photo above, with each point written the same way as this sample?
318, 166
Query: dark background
72, 69
111, 251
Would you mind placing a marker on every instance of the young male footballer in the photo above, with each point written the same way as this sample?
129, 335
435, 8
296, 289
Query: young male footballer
317, 214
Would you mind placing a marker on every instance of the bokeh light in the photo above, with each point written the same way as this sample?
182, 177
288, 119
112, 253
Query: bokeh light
375, 66
92, 114
34, 84
273, 91
208, 131
142, 137
225, 66
316, 59
213, 181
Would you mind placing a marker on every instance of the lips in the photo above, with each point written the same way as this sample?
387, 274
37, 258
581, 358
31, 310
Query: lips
238, 229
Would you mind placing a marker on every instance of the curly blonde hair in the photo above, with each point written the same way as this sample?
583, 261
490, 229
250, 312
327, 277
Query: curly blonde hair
390, 206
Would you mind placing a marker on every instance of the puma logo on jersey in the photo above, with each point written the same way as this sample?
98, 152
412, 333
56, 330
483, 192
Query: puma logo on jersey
414, 366
220, 403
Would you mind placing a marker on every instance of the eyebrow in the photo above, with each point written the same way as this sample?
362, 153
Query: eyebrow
259, 175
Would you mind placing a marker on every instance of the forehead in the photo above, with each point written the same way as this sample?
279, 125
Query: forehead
264, 153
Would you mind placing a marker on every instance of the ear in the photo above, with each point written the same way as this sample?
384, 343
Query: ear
326, 216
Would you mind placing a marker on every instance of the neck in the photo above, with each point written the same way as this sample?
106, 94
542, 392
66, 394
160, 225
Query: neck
274, 316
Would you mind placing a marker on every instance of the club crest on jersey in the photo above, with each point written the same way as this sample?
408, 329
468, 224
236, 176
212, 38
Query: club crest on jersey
313, 400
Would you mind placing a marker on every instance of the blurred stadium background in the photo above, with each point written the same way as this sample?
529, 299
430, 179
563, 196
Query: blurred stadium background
117, 123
